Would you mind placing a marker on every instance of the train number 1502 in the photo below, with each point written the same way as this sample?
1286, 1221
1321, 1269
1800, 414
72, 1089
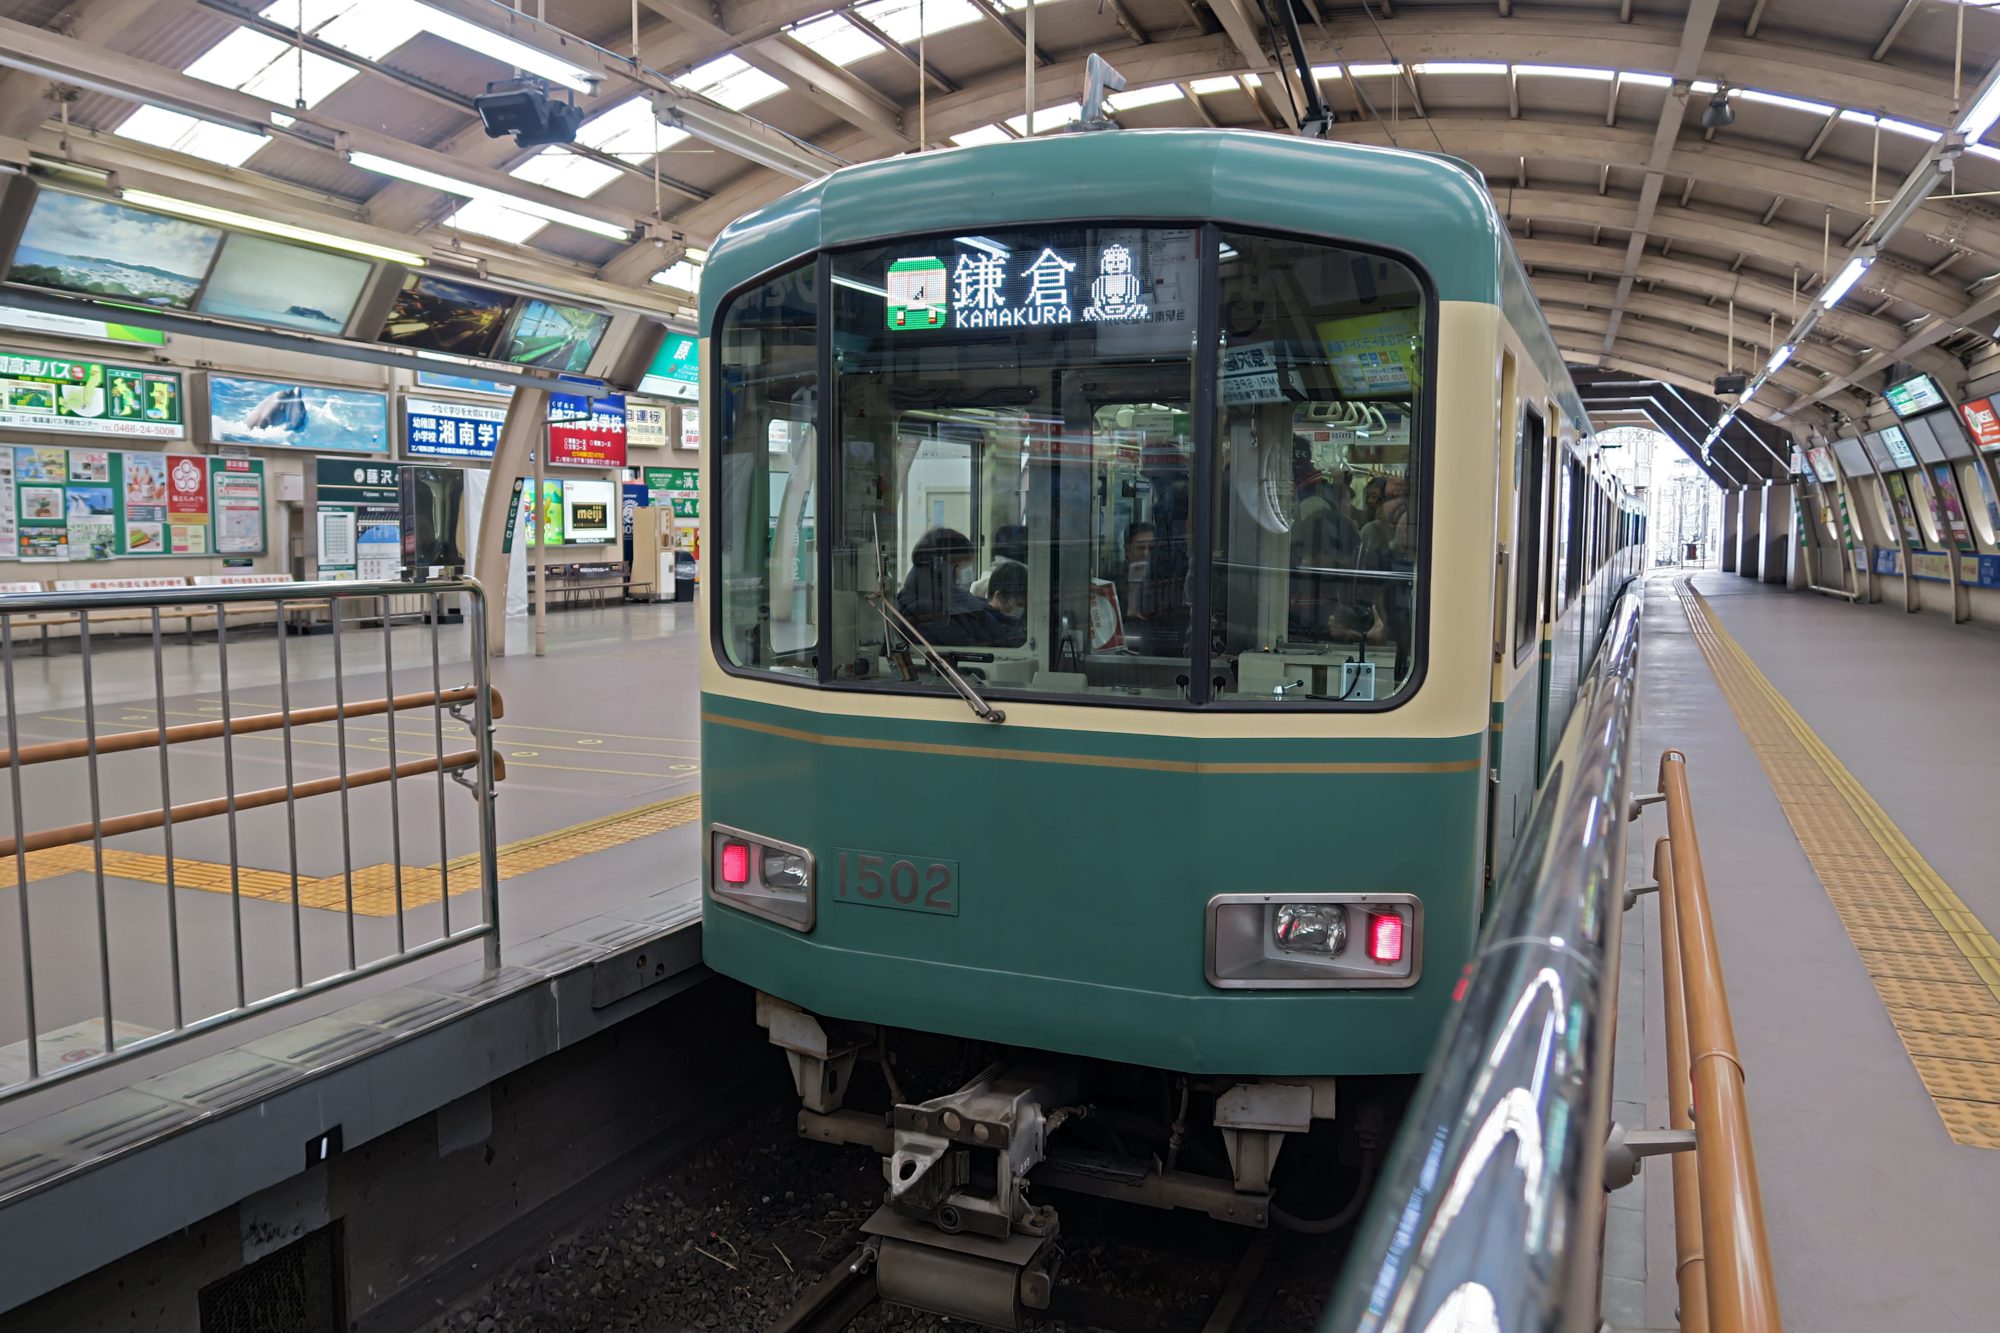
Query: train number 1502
886, 879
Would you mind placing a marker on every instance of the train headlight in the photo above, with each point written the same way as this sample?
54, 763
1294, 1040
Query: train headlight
1307, 941
1319, 928
762, 876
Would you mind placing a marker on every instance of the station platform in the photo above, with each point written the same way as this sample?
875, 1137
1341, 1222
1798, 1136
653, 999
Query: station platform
1840, 759
598, 876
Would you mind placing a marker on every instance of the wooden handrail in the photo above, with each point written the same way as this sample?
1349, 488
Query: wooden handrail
1742, 1294
142, 820
1689, 1272
120, 742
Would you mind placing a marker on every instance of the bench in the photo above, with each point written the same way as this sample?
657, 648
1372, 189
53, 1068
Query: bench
571, 584
188, 615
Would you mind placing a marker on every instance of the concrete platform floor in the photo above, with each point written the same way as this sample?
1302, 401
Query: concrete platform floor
1878, 1219
600, 741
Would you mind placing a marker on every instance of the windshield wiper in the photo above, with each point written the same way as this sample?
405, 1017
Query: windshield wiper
892, 615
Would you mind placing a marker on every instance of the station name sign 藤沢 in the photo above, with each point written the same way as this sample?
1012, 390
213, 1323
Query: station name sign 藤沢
987, 286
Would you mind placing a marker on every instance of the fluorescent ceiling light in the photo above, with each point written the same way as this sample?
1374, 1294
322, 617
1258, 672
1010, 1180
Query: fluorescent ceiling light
223, 145
1778, 358
1844, 280
1703, 86
983, 135
1435, 67
1979, 117
696, 254
1779, 99
1639, 78
265, 226
387, 166
1373, 71
487, 42
1568, 72
1138, 97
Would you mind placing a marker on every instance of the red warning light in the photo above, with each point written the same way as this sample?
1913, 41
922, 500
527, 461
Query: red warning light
735, 863
1385, 938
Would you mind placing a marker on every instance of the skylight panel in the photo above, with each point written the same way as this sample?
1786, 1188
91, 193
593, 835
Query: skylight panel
836, 40
1372, 71
683, 275
253, 62
728, 81
906, 20
1048, 118
983, 135
1223, 84
484, 217
220, 144
629, 131
1638, 78
566, 171
370, 29
1435, 67
1138, 97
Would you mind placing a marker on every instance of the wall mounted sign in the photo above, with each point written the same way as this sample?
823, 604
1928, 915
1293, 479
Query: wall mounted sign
1983, 420
72, 326
586, 433
1919, 393
1898, 446
451, 430
645, 425
675, 371
277, 414
88, 397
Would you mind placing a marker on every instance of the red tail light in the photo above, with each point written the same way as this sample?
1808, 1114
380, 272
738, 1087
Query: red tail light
1385, 938
735, 863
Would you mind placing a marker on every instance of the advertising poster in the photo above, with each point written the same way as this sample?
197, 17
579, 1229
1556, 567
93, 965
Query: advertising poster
1946, 510
440, 429
645, 426
57, 394
548, 515
587, 516
143, 505
1898, 492
586, 433
269, 282
93, 523
236, 493
358, 515
634, 498
10, 532
1983, 420
187, 505
690, 430
275, 415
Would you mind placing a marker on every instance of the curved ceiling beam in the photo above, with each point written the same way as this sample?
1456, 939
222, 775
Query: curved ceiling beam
1644, 337
1694, 321
1666, 364
1781, 243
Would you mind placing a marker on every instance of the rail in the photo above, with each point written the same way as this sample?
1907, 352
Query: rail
1722, 1255
106, 954
1491, 1207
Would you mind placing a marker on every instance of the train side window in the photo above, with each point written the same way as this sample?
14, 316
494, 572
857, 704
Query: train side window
766, 576
1531, 476
1573, 553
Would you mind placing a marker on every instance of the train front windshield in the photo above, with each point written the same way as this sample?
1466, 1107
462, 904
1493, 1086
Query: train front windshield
1016, 468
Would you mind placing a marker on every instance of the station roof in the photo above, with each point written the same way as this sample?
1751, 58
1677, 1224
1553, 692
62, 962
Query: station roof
1664, 250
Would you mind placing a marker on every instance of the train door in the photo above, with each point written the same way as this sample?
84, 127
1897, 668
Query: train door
1520, 694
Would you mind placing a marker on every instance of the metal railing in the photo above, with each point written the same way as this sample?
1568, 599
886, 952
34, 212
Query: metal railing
302, 917
1722, 1258
1491, 1208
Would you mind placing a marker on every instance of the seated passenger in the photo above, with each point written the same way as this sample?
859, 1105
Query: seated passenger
1010, 547
937, 596
1007, 600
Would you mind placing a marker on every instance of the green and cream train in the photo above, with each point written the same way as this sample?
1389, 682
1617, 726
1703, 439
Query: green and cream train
1148, 576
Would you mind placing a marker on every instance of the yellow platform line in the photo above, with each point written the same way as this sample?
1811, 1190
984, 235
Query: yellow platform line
374, 886
1932, 961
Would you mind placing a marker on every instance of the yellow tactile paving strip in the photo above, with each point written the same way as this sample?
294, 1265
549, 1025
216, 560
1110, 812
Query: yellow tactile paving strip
374, 886
1935, 965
